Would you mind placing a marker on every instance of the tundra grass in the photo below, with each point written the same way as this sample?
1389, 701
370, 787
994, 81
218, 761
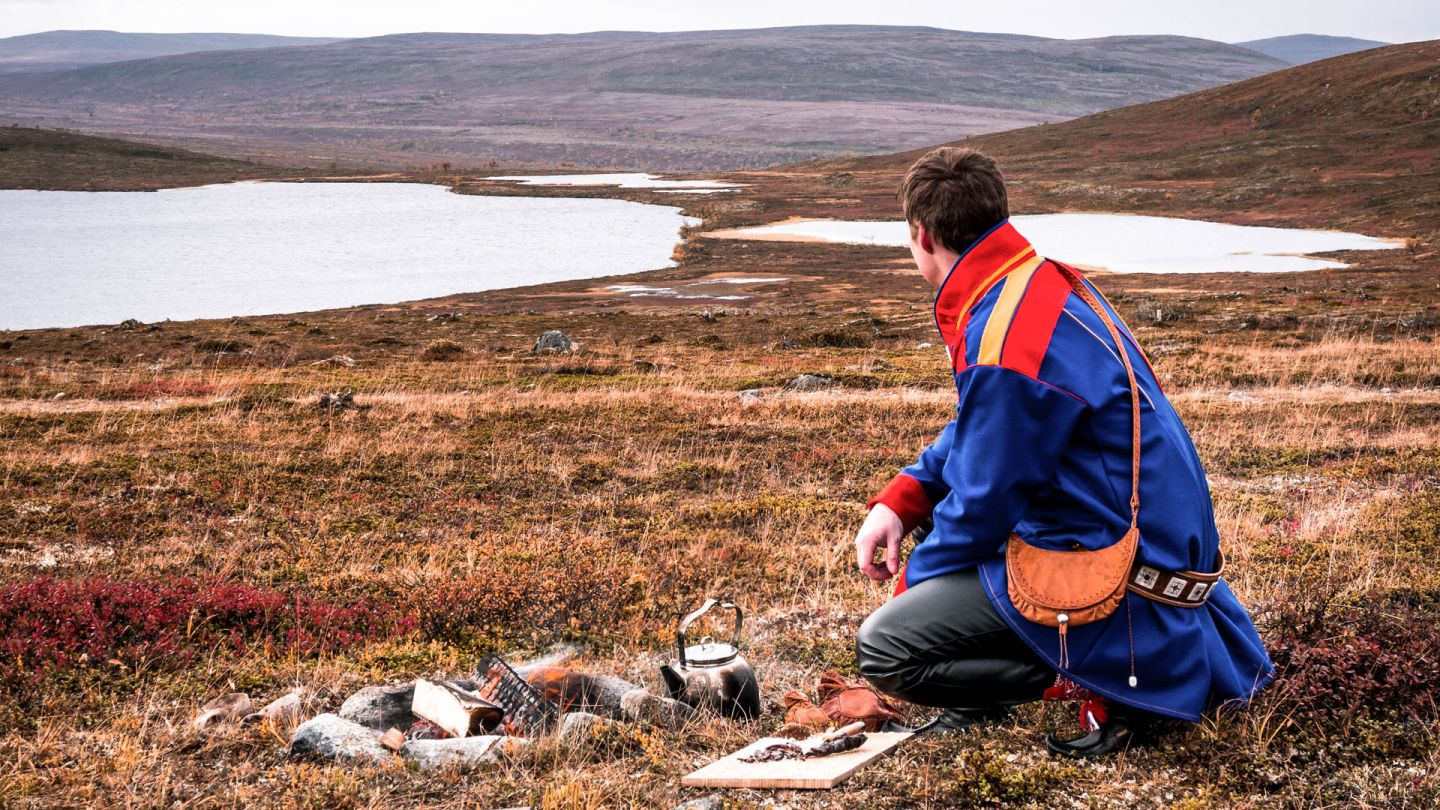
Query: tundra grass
507, 500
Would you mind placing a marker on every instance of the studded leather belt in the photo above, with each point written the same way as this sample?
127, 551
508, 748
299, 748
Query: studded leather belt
1178, 588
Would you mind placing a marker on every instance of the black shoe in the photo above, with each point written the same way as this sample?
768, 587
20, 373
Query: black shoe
956, 719
1113, 736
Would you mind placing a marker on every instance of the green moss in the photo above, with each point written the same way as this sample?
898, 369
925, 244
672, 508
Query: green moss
688, 475
1268, 509
739, 514
1410, 522
441, 350
263, 395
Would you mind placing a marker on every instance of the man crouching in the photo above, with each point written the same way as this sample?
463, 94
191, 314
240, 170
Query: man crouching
1045, 445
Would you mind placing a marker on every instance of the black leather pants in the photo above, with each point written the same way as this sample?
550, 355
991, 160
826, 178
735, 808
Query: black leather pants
941, 643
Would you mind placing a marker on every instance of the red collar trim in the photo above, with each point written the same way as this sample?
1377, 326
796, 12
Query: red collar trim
983, 264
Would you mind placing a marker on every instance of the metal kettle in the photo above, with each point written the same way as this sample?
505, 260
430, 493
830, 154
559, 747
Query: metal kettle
713, 674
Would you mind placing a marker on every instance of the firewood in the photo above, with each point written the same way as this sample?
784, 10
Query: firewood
458, 712
394, 739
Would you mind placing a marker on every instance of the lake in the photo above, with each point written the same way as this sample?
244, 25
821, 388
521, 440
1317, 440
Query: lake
72, 258
1120, 243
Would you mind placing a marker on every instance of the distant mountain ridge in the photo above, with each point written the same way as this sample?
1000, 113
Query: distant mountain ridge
1298, 49
684, 100
66, 50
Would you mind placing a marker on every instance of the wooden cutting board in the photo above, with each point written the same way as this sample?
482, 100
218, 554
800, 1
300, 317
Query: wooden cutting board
818, 773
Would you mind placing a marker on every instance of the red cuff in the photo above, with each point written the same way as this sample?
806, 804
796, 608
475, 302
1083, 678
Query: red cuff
906, 498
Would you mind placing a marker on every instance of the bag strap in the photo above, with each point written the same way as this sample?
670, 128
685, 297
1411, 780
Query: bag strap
1089, 298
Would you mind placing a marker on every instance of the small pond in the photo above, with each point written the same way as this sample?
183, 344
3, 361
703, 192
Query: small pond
1121, 243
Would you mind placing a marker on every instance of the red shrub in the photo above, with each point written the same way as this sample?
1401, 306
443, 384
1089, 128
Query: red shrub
1376, 659
528, 598
166, 388
49, 625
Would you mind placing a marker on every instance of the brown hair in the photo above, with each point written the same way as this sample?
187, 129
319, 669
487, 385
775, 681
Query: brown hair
957, 194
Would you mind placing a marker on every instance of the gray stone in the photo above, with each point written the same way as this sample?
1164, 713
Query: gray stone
327, 736
642, 705
385, 707
337, 401
606, 692
381, 707
579, 726
712, 802
553, 340
750, 396
809, 382
464, 752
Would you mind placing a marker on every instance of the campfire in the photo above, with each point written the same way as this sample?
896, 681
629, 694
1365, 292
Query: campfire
468, 721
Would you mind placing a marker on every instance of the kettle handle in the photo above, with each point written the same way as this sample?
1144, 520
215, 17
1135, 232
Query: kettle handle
701, 611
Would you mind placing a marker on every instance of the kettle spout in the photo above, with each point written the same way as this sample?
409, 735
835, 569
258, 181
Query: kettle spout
674, 682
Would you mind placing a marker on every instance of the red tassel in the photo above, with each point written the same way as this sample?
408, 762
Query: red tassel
1094, 710
1093, 714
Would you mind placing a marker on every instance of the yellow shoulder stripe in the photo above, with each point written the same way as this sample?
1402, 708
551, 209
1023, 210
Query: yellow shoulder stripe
993, 339
984, 286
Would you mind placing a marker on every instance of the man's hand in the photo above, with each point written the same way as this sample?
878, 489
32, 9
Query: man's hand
882, 529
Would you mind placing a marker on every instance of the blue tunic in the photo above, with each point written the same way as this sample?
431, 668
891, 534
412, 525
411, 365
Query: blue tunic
1040, 444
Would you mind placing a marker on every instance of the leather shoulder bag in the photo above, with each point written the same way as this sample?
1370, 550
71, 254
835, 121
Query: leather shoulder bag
1069, 588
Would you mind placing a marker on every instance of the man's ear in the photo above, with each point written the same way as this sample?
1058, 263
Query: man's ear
922, 236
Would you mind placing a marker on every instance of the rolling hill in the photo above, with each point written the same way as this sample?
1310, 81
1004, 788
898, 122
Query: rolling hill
50, 51
70, 161
694, 100
1352, 142
1297, 49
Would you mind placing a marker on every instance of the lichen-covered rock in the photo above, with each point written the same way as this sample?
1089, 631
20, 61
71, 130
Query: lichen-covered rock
381, 707
385, 707
553, 340
809, 382
328, 736
463, 752
336, 400
580, 726
645, 706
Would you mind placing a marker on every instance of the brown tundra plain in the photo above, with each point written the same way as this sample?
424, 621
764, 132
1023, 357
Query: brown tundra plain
180, 519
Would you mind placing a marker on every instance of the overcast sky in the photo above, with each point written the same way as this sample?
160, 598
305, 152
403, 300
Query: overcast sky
1226, 20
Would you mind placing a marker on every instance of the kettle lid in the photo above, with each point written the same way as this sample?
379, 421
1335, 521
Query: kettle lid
710, 653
